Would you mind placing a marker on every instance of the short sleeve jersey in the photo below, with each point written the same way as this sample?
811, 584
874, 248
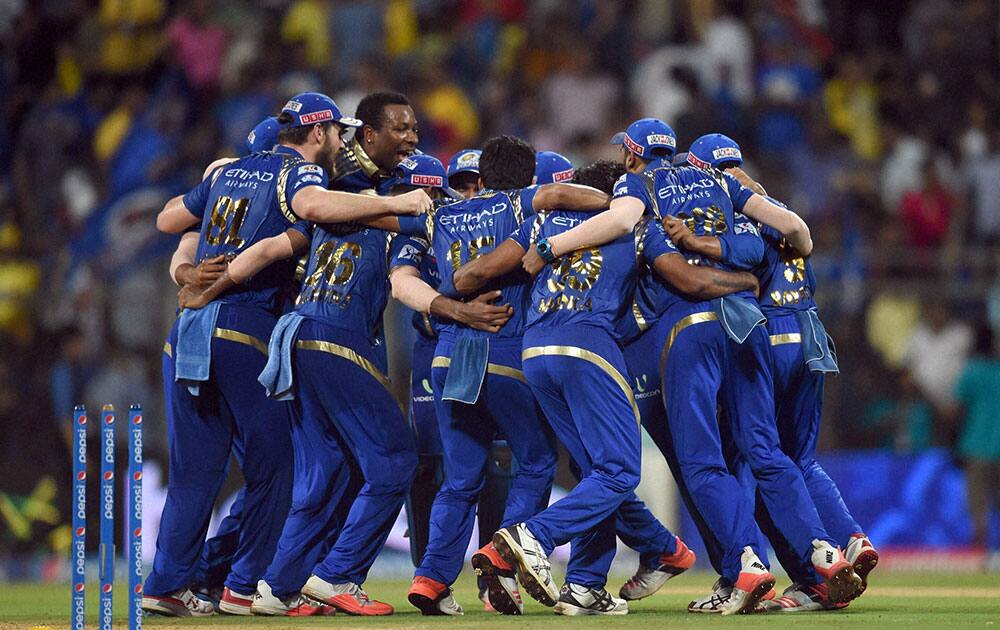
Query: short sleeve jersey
708, 202
416, 252
592, 286
462, 231
346, 282
249, 200
787, 281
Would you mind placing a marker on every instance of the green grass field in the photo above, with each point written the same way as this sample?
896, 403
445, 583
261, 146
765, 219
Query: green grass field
897, 600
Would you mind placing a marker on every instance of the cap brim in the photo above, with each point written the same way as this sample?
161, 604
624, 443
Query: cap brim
680, 159
618, 138
350, 122
451, 192
467, 169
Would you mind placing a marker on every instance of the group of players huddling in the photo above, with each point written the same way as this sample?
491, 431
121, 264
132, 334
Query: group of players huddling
540, 295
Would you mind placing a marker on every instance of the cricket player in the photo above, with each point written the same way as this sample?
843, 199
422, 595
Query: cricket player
801, 356
463, 173
721, 355
576, 370
552, 167
477, 379
212, 356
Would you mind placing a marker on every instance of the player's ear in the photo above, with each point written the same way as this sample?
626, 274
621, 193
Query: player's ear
479, 183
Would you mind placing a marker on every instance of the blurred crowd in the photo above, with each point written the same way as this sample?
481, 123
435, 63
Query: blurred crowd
877, 121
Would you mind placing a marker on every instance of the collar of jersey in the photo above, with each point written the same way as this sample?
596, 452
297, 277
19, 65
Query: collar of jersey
367, 166
288, 151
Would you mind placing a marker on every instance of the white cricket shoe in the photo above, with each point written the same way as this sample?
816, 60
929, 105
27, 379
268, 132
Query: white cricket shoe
648, 580
752, 585
347, 597
800, 598
518, 546
714, 601
265, 602
183, 603
842, 583
863, 557
581, 600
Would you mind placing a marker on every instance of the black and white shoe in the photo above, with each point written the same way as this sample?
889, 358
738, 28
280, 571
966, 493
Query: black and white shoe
581, 600
714, 602
517, 546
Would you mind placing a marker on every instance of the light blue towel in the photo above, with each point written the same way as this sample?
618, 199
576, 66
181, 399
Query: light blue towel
817, 346
469, 358
193, 355
277, 375
738, 316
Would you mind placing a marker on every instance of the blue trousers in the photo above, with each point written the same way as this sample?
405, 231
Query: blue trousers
347, 419
577, 373
700, 369
217, 556
798, 394
467, 434
201, 431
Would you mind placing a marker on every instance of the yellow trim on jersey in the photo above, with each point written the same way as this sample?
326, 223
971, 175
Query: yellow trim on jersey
491, 368
344, 352
591, 357
778, 340
238, 337
168, 349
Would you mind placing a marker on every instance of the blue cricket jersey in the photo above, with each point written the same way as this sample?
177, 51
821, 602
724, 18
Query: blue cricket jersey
710, 204
346, 283
246, 201
592, 286
462, 231
787, 281
416, 252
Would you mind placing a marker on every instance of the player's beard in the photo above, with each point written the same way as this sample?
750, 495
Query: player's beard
328, 154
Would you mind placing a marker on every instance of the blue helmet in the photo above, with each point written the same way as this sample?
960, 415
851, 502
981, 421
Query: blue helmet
551, 167
713, 149
465, 161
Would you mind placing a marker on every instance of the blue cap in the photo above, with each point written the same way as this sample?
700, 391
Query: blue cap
465, 161
551, 167
422, 171
645, 135
309, 108
264, 136
711, 150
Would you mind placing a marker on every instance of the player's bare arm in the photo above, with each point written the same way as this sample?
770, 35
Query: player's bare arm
569, 197
473, 275
246, 264
183, 269
791, 225
175, 217
619, 219
330, 206
708, 246
703, 283
410, 289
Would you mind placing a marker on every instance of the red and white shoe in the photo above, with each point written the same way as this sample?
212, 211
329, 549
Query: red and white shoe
233, 603
863, 557
347, 597
265, 602
433, 597
183, 603
647, 580
800, 598
842, 583
752, 585
502, 593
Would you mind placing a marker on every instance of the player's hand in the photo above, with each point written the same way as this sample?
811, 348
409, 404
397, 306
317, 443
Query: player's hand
209, 270
677, 231
481, 314
532, 262
414, 202
754, 282
191, 296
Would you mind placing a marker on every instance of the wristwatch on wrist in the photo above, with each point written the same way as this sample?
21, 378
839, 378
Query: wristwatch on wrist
544, 250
